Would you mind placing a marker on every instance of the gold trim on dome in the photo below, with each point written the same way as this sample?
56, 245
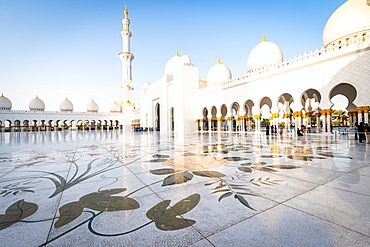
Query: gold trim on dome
264, 38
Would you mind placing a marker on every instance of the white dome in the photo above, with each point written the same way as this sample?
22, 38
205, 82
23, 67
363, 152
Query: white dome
186, 59
66, 105
217, 73
36, 104
175, 62
114, 107
92, 107
264, 54
5, 103
146, 85
350, 18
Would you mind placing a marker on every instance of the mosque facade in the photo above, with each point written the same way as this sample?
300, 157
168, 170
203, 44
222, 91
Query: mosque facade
297, 91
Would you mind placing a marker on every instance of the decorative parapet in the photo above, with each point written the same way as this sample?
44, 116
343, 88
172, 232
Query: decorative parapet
354, 41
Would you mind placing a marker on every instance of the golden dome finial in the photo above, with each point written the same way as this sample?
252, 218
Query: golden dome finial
125, 11
37, 96
264, 38
219, 61
177, 53
2, 94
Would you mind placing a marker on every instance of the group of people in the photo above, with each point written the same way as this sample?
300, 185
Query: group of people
301, 131
274, 129
362, 132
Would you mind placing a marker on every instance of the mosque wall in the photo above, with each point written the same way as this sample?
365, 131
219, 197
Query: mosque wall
351, 67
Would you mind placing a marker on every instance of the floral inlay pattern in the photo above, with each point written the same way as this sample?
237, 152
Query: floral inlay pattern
236, 173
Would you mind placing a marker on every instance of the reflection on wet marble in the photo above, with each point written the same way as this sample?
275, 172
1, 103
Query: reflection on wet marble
110, 188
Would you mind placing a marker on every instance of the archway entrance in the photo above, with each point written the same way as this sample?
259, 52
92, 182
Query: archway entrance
205, 120
214, 118
172, 123
157, 117
223, 116
344, 112
234, 116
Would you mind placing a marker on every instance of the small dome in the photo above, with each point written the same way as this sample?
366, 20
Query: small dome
173, 63
36, 104
92, 107
5, 103
217, 73
350, 18
66, 105
186, 59
264, 54
114, 107
146, 85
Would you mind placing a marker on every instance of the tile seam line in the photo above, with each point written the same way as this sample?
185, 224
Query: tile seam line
325, 184
60, 198
354, 192
343, 173
327, 221
330, 187
283, 203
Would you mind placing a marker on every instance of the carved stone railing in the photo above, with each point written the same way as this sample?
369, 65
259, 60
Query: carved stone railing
331, 50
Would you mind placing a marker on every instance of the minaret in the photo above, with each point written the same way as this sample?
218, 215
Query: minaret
126, 57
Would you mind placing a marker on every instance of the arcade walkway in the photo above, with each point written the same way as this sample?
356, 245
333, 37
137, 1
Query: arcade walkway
107, 188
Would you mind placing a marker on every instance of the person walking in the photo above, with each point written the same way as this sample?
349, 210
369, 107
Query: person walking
267, 130
367, 130
361, 132
309, 128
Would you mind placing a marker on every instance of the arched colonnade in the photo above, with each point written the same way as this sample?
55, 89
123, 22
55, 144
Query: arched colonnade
30, 124
309, 109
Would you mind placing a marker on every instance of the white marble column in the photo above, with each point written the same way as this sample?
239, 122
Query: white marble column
318, 125
323, 117
328, 122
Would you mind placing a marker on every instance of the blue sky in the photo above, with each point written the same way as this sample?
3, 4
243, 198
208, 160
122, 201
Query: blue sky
57, 49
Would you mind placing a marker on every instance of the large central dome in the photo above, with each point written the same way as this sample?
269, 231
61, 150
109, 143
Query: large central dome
350, 18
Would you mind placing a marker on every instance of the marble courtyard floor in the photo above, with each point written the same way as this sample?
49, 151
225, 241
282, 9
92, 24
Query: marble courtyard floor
107, 188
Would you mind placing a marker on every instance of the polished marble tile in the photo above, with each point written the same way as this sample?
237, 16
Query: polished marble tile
353, 182
350, 210
284, 226
104, 188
